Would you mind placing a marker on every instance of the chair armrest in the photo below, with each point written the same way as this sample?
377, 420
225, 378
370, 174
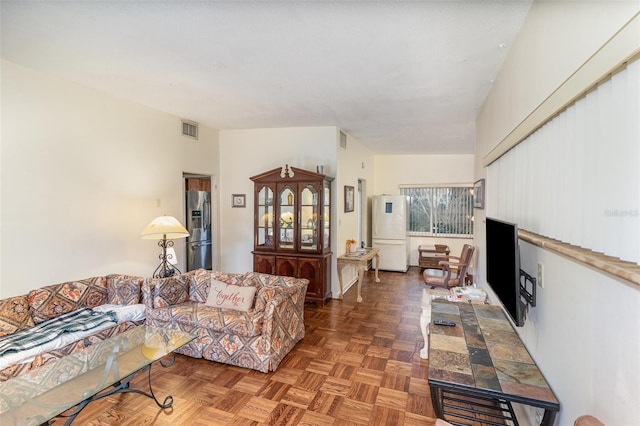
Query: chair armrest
446, 268
452, 264
449, 266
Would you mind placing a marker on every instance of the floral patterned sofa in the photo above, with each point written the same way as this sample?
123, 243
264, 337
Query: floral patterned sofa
257, 338
20, 315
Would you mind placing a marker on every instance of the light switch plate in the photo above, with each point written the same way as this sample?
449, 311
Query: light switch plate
540, 274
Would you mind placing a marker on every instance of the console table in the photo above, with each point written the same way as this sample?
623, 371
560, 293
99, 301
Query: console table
481, 363
359, 259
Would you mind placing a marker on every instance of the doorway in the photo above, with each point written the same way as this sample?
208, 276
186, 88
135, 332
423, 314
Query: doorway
198, 221
361, 209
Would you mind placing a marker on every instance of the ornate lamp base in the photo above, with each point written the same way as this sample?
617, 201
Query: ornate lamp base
165, 268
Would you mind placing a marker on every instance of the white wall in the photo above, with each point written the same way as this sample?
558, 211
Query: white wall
355, 162
585, 335
394, 170
391, 171
584, 332
82, 174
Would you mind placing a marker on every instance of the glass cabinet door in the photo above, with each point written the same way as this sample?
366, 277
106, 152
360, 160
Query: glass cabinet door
326, 214
265, 217
309, 218
287, 218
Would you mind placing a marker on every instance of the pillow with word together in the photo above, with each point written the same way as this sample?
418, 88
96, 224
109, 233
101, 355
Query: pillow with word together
227, 296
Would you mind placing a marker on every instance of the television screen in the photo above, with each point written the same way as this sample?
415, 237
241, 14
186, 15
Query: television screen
503, 266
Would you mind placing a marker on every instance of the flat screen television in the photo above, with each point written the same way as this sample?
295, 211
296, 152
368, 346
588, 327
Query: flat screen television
503, 266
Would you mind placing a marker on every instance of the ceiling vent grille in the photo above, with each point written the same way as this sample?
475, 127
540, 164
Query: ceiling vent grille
343, 140
190, 128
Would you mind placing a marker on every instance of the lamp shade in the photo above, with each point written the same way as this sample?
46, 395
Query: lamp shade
164, 227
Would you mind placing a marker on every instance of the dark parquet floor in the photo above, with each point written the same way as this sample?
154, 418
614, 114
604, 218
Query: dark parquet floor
358, 364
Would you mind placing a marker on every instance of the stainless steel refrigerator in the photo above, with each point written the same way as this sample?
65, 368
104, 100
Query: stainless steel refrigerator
389, 231
199, 226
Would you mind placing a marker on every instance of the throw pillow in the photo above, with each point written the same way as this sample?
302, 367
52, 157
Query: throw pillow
227, 296
170, 291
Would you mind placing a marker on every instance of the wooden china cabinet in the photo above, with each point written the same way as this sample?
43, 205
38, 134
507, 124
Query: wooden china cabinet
292, 227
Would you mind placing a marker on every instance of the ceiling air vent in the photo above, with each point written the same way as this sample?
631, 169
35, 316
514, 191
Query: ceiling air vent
343, 140
190, 128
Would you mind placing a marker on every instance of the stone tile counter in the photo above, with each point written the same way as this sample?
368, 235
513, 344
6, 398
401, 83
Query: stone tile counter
483, 358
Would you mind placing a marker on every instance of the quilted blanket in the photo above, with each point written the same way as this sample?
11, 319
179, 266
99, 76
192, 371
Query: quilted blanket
77, 321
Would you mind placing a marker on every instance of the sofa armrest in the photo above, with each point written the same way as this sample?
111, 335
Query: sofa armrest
282, 299
268, 285
124, 289
146, 293
272, 310
14, 315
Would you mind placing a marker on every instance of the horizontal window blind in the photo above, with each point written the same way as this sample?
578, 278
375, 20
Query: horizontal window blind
577, 178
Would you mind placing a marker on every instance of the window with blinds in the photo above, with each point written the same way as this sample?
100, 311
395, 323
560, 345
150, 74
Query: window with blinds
440, 211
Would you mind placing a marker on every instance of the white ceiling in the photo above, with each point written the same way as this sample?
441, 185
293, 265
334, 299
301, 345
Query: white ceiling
402, 77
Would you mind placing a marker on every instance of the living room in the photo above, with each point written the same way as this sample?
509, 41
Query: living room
84, 171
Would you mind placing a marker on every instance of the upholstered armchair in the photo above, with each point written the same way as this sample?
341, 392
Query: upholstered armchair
453, 272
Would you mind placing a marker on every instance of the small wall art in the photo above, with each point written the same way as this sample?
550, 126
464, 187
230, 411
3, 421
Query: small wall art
478, 194
349, 198
238, 200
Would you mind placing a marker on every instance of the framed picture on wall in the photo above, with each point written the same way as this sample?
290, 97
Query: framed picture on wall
349, 198
238, 200
478, 194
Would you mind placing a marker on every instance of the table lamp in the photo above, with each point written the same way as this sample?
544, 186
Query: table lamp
165, 229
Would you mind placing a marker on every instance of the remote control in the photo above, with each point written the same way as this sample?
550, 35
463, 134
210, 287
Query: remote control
445, 323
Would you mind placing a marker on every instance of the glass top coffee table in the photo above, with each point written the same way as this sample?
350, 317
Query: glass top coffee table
87, 375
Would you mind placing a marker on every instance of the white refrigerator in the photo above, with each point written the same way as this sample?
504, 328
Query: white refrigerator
390, 214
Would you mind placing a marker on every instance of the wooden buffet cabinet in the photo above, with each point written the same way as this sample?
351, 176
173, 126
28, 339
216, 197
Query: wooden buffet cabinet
292, 227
